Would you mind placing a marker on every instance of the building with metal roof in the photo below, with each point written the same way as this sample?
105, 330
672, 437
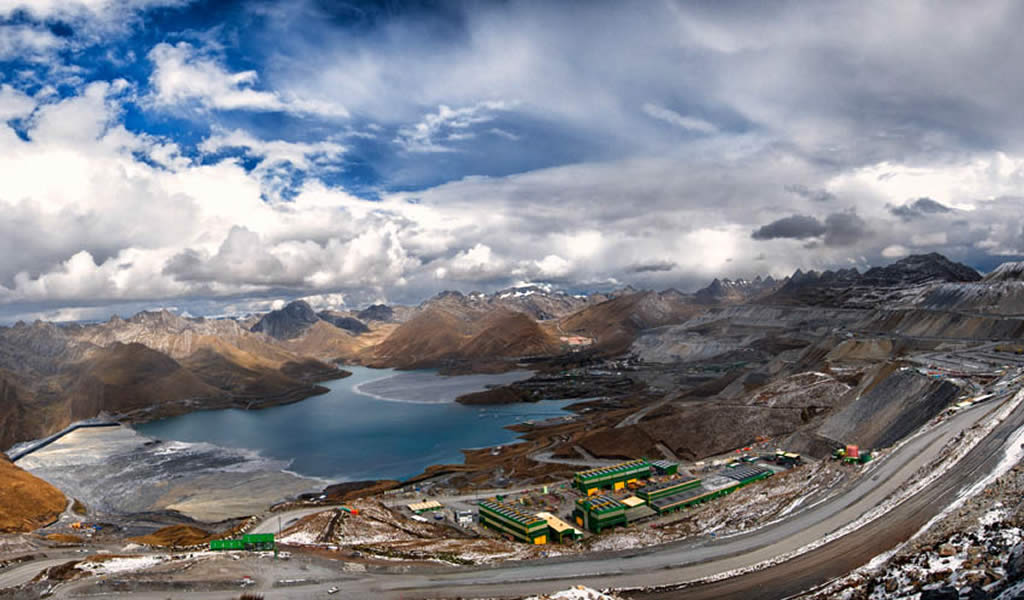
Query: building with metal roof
747, 473
600, 512
614, 477
665, 467
653, 491
512, 521
559, 529
422, 507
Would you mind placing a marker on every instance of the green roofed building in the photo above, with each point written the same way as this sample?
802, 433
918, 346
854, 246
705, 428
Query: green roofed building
746, 474
599, 513
615, 477
252, 541
258, 541
506, 519
664, 467
690, 497
227, 545
653, 491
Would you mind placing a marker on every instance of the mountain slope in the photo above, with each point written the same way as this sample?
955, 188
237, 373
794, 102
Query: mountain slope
879, 286
615, 323
26, 502
288, 322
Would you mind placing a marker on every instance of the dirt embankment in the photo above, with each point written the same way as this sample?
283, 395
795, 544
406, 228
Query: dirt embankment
26, 502
501, 395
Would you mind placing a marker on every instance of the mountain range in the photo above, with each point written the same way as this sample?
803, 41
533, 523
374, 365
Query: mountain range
159, 363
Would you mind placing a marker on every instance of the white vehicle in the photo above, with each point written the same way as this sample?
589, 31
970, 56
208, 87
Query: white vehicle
333, 590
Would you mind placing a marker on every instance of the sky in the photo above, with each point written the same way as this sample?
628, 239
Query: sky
220, 157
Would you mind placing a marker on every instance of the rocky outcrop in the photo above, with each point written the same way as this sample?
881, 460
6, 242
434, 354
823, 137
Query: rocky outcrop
342, 321
1008, 271
879, 286
729, 291
376, 312
287, 323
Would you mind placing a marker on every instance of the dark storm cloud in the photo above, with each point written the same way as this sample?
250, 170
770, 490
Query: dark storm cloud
919, 208
838, 229
817, 195
653, 267
796, 227
844, 229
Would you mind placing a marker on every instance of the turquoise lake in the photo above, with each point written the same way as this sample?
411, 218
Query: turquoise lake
376, 424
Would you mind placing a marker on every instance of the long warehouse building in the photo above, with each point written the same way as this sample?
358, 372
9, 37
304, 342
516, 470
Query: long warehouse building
509, 520
615, 477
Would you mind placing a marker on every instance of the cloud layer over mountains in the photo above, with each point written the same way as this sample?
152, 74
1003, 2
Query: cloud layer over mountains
218, 156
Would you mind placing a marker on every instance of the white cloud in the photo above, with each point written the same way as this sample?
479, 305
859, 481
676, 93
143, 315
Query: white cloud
274, 152
674, 118
447, 124
43, 9
182, 75
895, 251
14, 103
553, 266
29, 43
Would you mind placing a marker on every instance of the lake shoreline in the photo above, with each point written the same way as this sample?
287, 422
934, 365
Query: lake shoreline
183, 469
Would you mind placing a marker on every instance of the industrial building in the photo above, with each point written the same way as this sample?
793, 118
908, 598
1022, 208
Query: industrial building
665, 467
599, 513
425, 506
745, 474
653, 491
558, 529
252, 541
688, 494
615, 477
690, 497
506, 519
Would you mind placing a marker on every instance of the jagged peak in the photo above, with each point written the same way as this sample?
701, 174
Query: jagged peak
1008, 271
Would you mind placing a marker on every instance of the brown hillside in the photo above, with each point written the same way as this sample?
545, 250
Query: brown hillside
127, 377
26, 502
508, 334
327, 342
175, 536
615, 323
426, 339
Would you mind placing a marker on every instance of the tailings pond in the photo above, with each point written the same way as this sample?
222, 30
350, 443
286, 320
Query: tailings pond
212, 465
376, 424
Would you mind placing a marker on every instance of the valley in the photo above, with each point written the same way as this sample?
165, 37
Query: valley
510, 397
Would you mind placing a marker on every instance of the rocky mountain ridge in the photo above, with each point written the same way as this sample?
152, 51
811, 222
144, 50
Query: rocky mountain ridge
52, 374
849, 288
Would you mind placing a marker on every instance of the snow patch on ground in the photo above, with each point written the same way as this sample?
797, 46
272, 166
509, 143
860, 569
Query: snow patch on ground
121, 564
576, 593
